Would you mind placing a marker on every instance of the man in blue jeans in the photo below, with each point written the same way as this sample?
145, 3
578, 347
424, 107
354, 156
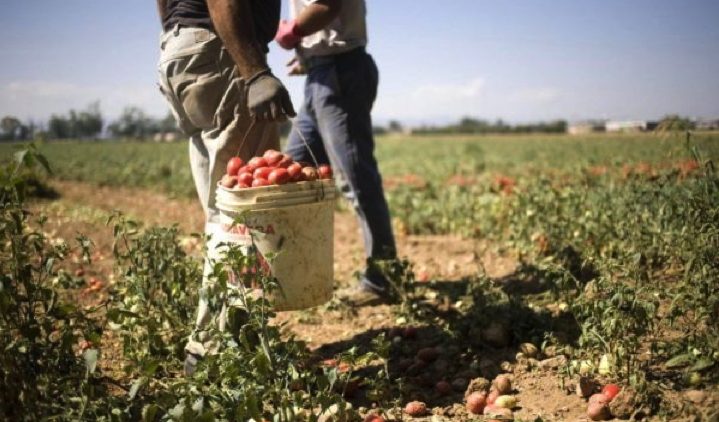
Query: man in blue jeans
329, 37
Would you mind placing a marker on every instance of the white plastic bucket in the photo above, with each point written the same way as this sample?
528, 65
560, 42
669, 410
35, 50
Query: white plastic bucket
294, 223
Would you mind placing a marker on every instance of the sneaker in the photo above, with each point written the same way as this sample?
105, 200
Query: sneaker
191, 361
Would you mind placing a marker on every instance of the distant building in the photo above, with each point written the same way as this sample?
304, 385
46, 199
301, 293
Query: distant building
166, 137
626, 126
585, 127
707, 124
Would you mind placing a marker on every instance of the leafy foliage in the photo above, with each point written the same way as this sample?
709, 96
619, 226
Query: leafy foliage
41, 370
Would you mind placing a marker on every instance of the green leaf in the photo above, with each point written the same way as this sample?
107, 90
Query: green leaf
702, 364
90, 356
679, 361
43, 162
149, 412
149, 368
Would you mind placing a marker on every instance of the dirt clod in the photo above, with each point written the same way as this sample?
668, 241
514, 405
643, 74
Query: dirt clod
496, 335
553, 363
529, 350
695, 396
481, 385
586, 387
624, 404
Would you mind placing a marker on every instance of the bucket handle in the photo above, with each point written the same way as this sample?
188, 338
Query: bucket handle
312, 154
247, 135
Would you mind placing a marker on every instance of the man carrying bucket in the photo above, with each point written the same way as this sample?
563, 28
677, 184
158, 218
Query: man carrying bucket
329, 37
215, 77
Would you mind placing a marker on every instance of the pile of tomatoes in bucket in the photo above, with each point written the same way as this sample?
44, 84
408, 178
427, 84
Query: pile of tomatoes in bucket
272, 168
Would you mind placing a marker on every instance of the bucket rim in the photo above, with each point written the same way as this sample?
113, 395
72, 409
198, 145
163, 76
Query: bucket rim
320, 183
275, 196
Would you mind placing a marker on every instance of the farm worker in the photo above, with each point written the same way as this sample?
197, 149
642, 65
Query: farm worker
329, 39
214, 75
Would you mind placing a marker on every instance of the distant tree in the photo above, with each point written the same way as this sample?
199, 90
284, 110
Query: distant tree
88, 123
673, 123
58, 127
132, 123
395, 126
84, 124
379, 130
167, 124
10, 126
471, 125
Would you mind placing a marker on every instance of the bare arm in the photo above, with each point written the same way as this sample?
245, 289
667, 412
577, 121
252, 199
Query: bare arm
162, 9
317, 16
233, 23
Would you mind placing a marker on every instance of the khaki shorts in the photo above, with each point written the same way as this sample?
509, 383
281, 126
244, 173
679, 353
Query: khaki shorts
207, 97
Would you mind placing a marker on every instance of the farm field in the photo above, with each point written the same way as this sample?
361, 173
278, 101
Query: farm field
562, 262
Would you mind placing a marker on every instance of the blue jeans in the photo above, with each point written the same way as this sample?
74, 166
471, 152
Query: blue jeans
336, 123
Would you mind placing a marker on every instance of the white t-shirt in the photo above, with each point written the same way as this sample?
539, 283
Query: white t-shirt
346, 32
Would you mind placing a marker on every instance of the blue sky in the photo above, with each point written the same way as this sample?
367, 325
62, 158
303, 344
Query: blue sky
520, 60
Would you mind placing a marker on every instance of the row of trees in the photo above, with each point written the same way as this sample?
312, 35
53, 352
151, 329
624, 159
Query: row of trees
89, 123
469, 125
134, 123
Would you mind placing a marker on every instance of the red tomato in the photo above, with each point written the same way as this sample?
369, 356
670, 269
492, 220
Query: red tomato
262, 172
295, 171
272, 157
285, 161
244, 185
257, 162
260, 182
610, 390
309, 174
325, 171
279, 176
245, 178
270, 152
228, 181
233, 166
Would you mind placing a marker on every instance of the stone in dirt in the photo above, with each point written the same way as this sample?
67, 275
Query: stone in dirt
529, 350
553, 363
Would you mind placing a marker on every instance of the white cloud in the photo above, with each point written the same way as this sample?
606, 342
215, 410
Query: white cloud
38, 99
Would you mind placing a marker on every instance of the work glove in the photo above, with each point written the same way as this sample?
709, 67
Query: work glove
287, 35
267, 98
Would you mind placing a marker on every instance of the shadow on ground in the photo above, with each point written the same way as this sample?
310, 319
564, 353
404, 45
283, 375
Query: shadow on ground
461, 330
